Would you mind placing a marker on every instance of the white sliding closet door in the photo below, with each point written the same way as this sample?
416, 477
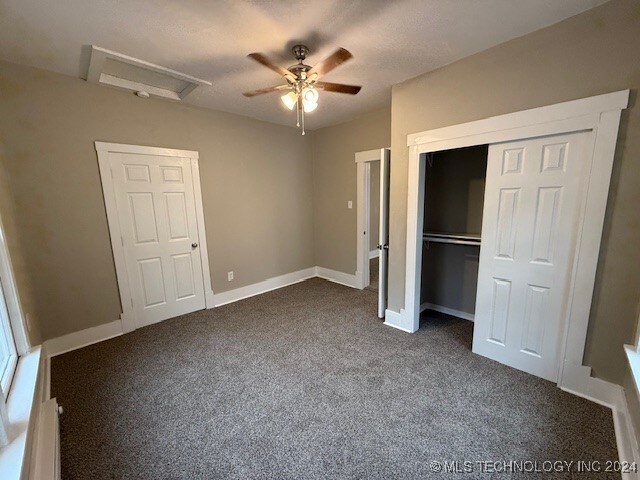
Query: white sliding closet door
157, 215
531, 212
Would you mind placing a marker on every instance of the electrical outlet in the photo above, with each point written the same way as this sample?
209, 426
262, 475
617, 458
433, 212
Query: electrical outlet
229, 276
349, 204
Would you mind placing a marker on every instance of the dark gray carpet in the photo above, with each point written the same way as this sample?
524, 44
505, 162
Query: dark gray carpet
374, 273
305, 382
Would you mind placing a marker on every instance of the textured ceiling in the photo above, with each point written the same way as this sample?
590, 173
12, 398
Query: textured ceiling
390, 40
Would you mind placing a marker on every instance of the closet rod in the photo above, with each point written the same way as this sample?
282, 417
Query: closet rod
452, 240
461, 236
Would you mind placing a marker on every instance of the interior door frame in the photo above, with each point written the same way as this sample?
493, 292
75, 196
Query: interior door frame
599, 114
363, 162
104, 151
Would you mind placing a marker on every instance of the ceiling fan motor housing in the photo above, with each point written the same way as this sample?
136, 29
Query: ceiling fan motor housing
300, 52
300, 69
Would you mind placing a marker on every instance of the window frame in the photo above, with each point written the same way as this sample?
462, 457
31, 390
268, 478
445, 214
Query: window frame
15, 327
18, 404
633, 355
7, 371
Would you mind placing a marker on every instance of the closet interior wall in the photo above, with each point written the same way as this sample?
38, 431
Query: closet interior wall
454, 199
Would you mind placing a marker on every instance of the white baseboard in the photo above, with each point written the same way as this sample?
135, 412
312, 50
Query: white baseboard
89, 336
209, 299
398, 320
263, 287
128, 323
337, 277
599, 391
447, 310
577, 380
374, 254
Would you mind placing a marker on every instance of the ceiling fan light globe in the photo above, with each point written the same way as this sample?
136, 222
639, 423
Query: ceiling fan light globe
290, 99
309, 106
310, 94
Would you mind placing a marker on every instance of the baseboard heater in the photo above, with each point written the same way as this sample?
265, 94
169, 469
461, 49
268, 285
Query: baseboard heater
47, 456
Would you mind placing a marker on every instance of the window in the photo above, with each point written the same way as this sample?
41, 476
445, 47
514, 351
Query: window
8, 353
19, 369
633, 355
14, 343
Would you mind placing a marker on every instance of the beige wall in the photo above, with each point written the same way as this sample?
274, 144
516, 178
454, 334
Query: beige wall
334, 184
590, 54
256, 185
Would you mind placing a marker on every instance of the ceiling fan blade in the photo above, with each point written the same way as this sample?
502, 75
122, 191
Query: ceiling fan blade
261, 91
260, 58
338, 87
332, 61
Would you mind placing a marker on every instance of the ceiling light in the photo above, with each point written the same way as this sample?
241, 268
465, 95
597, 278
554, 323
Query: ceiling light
301, 80
309, 99
310, 94
289, 100
309, 106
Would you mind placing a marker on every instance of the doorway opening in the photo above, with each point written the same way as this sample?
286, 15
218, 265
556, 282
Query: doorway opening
505, 243
453, 207
373, 223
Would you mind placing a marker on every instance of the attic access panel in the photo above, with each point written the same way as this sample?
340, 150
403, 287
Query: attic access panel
117, 70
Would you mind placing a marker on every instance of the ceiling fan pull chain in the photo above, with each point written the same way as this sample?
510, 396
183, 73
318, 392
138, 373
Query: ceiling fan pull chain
302, 110
297, 114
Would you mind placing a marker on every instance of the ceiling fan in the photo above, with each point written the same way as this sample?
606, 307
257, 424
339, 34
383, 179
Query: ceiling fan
302, 80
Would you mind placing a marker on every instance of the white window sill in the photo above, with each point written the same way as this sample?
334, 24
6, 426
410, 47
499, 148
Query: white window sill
21, 407
633, 356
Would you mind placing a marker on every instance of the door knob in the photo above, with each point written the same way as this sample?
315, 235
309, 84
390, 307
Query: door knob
194, 245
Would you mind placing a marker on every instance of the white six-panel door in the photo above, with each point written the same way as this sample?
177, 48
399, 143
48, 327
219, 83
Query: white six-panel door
530, 220
157, 216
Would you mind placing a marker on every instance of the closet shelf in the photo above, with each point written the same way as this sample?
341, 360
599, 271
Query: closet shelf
454, 238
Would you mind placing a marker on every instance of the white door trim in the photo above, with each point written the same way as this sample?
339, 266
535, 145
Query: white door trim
601, 114
104, 149
363, 174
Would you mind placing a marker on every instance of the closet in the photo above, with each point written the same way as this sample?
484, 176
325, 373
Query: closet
539, 219
454, 198
499, 231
